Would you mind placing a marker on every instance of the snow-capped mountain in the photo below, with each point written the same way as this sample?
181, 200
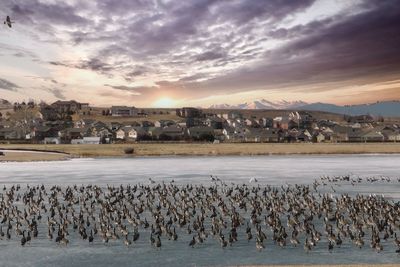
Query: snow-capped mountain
262, 104
384, 108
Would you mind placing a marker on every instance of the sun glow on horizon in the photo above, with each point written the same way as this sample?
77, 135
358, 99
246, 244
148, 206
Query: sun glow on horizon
164, 102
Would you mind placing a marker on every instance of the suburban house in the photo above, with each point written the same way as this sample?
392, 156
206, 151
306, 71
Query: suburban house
390, 133
123, 111
10, 133
224, 116
318, 138
362, 119
372, 136
342, 132
215, 122
306, 120
200, 132
173, 132
48, 112
254, 135
235, 115
219, 135
189, 112
83, 123
281, 123
74, 133
304, 136
147, 124
261, 135
251, 123
39, 132
103, 132
354, 135
163, 123
68, 106
114, 125
266, 122
127, 133
191, 122
229, 133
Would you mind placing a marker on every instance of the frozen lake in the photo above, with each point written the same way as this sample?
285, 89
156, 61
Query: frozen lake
273, 170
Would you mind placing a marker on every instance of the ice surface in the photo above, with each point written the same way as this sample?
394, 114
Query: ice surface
275, 170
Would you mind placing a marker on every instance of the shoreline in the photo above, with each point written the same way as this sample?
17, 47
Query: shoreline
40, 152
19, 155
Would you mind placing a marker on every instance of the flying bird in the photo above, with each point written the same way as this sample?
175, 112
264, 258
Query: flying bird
8, 22
253, 180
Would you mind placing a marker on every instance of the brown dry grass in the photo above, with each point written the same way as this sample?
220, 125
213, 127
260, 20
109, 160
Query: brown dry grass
165, 149
30, 156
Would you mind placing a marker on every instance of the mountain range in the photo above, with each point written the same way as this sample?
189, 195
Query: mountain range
262, 104
384, 108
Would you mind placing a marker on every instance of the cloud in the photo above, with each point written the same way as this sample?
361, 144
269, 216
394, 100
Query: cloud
7, 85
18, 51
198, 48
59, 94
39, 12
210, 55
45, 79
91, 64
241, 12
324, 51
132, 89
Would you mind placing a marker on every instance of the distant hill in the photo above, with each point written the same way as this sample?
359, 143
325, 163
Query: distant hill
385, 109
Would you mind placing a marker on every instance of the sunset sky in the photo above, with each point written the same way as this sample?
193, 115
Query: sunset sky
169, 53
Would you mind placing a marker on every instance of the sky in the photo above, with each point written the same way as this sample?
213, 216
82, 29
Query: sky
172, 53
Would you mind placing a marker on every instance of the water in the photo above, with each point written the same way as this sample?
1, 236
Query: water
274, 170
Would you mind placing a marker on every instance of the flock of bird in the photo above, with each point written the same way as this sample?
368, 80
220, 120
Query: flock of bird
220, 214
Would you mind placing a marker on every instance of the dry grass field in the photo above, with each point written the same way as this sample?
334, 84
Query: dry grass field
187, 149
32, 156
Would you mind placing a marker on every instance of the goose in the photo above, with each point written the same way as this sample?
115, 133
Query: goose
192, 242
23, 239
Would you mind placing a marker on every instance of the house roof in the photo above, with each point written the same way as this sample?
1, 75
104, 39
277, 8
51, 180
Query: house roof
355, 133
130, 123
259, 132
63, 102
88, 121
122, 107
385, 128
342, 129
172, 129
77, 130
216, 119
372, 134
126, 128
140, 130
198, 130
7, 130
40, 128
